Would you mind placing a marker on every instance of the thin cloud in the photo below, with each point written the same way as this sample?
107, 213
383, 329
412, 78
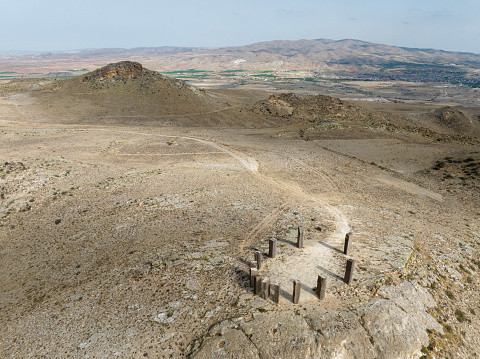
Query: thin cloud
286, 11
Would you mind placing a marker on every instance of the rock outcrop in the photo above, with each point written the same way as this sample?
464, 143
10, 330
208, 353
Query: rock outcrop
454, 119
307, 107
119, 71
393, 326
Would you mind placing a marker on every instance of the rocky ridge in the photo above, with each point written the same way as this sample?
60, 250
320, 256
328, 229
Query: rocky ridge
118, 71
308, 108
129, 70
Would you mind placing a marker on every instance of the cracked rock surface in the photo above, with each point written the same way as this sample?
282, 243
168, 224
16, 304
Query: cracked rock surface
382, 328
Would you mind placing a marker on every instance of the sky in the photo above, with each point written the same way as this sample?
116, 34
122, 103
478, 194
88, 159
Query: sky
55, 25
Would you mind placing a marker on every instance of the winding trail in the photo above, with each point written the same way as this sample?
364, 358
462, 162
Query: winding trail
304, 264
251, 164
316, 257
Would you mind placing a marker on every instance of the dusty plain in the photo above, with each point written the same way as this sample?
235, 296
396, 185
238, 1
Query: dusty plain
128, 219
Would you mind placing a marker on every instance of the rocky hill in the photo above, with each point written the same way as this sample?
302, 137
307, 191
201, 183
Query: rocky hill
127, 92
450, 120
317, 114
309, 108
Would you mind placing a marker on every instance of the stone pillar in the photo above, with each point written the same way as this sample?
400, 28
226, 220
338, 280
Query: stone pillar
346, 248
258, 259
272, 248
258, 284
276, 293
297, 287
321, 286
349, 271
300, 237
253, 273
265, 294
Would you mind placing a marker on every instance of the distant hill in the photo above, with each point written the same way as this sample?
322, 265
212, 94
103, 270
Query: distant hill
128, 93
326, 58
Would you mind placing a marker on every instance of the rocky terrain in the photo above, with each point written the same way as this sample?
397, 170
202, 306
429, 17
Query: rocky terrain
131, 205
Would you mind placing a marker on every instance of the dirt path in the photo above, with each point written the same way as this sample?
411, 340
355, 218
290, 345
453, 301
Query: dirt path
317, 256
304, 264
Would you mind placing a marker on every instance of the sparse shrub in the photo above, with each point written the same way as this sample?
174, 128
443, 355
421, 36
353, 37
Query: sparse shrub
439, 165
450, 294
57, 221
460, 315
463, 269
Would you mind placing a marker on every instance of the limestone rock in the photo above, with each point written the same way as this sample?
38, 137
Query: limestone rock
392, 327
398, 325
340, 335
277, 107
227, 340
280, 335
119, 71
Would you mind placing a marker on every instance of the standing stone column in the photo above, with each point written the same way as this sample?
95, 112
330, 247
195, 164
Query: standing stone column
321, 286
253, 273
349, 271
297, 287
265, 288
300, 237
346, 248
272, 248
258, 284
276, 293
258, 259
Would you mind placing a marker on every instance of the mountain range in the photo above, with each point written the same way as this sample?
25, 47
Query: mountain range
325, 58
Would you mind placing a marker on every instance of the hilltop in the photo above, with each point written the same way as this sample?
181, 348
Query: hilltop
119, 71
126, 92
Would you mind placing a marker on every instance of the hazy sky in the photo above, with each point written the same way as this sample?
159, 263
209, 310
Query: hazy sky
67, 25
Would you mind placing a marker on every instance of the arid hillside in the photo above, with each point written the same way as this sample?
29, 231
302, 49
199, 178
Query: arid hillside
127, 93
323, 116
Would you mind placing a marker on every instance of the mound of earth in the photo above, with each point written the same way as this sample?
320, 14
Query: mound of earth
127, 93
121, 72
453, 119
308, 108
325, 117
449, 120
